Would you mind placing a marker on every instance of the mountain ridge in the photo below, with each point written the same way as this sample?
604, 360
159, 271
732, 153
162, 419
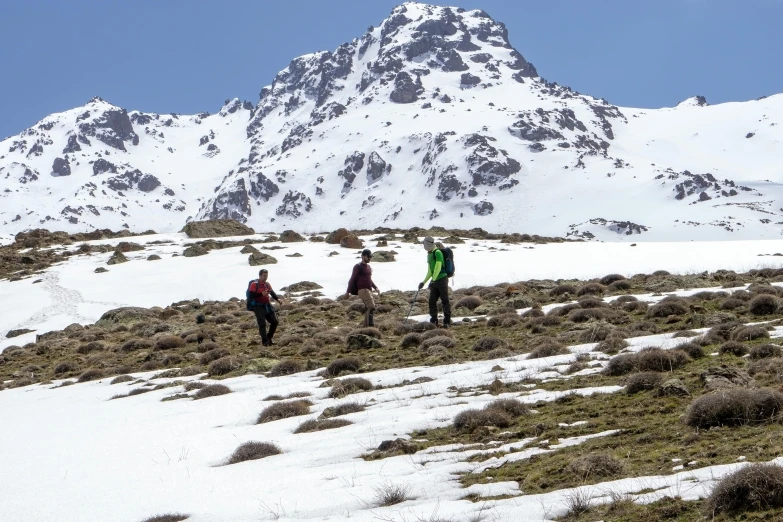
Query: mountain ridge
377, 133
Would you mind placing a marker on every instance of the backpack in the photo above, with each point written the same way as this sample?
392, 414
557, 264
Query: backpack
448, 261
354, 289
249, 303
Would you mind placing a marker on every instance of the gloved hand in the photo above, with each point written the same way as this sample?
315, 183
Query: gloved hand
421, 285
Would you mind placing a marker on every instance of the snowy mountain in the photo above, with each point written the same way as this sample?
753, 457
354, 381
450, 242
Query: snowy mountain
431, 118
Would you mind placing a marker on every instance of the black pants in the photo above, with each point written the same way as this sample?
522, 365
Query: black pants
264, 314
440, 290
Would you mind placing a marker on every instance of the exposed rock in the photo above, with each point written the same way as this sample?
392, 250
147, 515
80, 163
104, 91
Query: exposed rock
100, 270
18, 332
359, 341
248, 249
383, 256
216, 228
376, 168
289, 236
117, 258
153, 257
301, 286
259, 259
405, 89
469, 79
61, 167
294, 204
102, 166
483, 208
398, 446
725, 377
334, 238
351, 241
127, 246
127, 314
113, 128
673, 388
195, 251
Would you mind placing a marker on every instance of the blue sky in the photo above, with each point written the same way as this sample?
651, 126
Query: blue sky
187, 56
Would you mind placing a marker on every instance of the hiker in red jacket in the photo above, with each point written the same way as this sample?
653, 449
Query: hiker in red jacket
361, 284
260, 292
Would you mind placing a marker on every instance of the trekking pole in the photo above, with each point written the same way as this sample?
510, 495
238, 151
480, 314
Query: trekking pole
412, 303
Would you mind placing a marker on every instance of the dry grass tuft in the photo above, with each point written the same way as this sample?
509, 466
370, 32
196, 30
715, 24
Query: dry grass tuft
348, 386
222, 366
168, 517
312, 425
343, 365
643, 381
212, 390
284, 410
287, 367
253, 451
734, 407
596, 465
753, 487
488, 343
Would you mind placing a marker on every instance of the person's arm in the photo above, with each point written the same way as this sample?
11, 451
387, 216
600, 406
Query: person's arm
273, 294
352, 280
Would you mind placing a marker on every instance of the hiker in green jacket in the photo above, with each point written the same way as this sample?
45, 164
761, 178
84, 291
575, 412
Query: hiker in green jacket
439, 286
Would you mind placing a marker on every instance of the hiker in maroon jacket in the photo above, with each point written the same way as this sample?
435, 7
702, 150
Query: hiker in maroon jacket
361, 284
260, 292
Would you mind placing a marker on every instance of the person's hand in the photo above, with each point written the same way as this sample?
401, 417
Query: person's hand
421, 285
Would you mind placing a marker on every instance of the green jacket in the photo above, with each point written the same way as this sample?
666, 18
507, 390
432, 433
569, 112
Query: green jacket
435, 266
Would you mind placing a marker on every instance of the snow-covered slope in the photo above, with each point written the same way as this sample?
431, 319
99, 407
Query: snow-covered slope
431, 118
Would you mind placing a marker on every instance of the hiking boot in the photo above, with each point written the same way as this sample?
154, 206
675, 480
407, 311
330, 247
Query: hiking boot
265, 342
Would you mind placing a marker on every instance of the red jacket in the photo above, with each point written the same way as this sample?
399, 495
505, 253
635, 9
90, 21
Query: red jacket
362, 276
256, 289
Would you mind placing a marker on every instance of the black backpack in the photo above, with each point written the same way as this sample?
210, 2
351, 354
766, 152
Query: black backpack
448, 261
249, 302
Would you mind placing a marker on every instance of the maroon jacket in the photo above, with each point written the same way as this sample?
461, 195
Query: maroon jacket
362, 277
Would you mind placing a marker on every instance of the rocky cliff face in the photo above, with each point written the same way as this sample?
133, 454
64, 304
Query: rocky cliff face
432, 117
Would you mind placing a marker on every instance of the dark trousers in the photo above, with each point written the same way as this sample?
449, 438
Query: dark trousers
264, 314
440, 290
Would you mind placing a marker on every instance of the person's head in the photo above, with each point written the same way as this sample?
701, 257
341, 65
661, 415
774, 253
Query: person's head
263, 274
429, 244
366, 255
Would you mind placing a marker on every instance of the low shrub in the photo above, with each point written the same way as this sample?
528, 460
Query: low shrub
121, 378
65, 367
342, 365
222, 366
750, 333
284, 410
253, 451
734, 348
548, 349
136, 344
469, 420
471, 302
513, 407
667, 307
440, 340
506, 320
620, 286
212, 355
611, 278
194, 385
643, 381
369, 331
753, 487
693, 350
562, 289
583, 315
168, 517
764, 351
410, 340
734, 407
764, 304
311, 425
342, 409
621, 364
348, 386
286, 367
595, 465
90, 375
591, 289
612, 345
167, 342
657, 360
488, 343
731, 303
212, 390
